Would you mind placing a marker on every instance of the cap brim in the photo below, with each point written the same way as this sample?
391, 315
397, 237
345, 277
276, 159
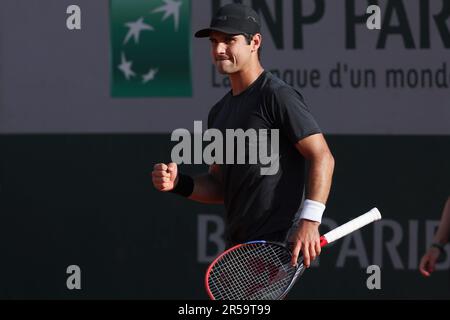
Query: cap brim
205, 32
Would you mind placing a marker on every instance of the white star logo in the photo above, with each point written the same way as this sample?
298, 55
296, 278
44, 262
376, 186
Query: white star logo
135, 29
171, 8
125, 67
149, 76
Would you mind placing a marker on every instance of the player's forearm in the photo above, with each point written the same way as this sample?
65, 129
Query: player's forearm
443, 231
207, 189
320, 176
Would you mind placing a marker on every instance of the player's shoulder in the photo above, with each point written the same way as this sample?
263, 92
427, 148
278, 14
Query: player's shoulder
276, 88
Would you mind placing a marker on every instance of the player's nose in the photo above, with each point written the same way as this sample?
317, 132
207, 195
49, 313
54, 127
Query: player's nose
220, 50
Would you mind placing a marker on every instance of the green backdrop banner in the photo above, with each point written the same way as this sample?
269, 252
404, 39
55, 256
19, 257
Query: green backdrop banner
150, 48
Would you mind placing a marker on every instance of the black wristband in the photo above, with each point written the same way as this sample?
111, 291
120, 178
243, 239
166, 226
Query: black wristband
439, 246
185, 185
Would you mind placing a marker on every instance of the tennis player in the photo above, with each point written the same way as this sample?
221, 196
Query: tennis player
276, 207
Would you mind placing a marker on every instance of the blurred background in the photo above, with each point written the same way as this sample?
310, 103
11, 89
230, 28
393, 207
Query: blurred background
86, 113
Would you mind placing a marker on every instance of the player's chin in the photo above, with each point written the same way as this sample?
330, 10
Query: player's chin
222, 68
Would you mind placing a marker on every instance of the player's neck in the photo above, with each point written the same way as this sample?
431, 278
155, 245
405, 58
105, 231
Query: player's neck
243, 79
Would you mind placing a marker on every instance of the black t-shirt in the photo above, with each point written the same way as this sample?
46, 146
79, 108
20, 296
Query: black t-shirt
263, 206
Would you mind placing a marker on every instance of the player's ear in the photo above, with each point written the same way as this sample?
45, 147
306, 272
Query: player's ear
256, 41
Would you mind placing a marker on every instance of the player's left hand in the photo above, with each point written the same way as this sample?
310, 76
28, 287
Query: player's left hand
307, 240
428, 262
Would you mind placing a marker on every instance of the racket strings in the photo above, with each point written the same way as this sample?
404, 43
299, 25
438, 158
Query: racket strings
252, 272
228, 276
274, 290
257, 288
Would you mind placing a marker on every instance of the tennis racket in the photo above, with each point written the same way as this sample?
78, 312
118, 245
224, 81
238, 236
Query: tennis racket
262, 270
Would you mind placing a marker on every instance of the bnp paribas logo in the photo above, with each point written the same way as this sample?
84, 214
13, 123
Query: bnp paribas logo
151, 48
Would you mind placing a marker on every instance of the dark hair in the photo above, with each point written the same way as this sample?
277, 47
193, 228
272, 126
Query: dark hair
249, 38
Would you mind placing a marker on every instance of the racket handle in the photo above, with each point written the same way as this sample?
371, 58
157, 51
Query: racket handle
350, 226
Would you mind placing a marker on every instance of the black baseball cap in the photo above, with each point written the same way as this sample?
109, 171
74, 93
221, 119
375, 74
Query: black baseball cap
233, 18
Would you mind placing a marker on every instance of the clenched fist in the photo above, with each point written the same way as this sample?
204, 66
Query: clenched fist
165, 177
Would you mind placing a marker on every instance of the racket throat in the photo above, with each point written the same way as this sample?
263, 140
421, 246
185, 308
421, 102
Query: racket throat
323, 241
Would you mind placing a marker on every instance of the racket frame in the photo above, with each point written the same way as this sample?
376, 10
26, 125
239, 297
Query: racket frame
331, 236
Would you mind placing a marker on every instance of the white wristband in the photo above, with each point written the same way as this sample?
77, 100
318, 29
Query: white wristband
312, 210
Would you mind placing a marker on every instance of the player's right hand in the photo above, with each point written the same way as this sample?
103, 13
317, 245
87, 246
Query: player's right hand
307, 240
165, 177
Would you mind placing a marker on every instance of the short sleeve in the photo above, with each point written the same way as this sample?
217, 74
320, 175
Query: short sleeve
293, 116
